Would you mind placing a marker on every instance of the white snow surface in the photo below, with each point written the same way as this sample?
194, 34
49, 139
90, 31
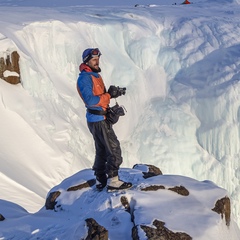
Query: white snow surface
180, 65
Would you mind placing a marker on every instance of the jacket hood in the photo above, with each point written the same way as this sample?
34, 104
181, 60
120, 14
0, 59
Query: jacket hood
84, 67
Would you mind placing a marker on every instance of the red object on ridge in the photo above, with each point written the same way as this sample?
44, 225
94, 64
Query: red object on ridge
186, 2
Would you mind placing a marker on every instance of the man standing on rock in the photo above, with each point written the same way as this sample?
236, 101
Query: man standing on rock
92, 90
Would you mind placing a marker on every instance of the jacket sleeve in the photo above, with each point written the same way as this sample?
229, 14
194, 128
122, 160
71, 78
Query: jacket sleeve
85, 89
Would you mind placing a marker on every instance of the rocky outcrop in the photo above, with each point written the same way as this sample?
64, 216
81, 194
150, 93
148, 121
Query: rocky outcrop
51, 200
152, 188
151, 170
160, 232
177, 189
147, 178
87, 184
180, 190
223, 207
9, 68
95, 231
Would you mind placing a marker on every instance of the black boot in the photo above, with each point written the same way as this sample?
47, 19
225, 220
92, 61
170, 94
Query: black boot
101, 181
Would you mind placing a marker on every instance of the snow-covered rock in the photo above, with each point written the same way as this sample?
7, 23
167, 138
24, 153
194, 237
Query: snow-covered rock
9, 67
171, 206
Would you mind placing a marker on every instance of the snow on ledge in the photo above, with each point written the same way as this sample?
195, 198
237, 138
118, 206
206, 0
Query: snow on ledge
8, 73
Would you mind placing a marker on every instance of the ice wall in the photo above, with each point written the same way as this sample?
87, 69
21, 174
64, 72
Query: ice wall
182, 79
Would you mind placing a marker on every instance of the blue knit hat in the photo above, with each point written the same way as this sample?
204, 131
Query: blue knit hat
89, 53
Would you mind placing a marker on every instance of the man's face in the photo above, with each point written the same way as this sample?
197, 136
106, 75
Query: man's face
94, 63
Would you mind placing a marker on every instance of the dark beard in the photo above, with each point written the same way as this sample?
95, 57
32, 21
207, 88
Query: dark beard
95, 70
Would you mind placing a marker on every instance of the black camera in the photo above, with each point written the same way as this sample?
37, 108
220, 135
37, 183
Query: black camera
122, 91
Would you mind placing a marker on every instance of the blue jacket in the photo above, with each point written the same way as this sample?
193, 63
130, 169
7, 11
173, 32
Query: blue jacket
92, 90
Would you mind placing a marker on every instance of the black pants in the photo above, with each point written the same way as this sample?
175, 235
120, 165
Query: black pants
108, 152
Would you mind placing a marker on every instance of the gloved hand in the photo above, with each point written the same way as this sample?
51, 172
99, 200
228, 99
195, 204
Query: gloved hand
114, 92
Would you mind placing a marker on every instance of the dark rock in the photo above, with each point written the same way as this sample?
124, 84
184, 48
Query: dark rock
162, 233
2, 218
125, 203
11, 63
51, 200
152, 170
135, 233
95, 231
223, 207
180, 190
128, 206
87, 184
153, 188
